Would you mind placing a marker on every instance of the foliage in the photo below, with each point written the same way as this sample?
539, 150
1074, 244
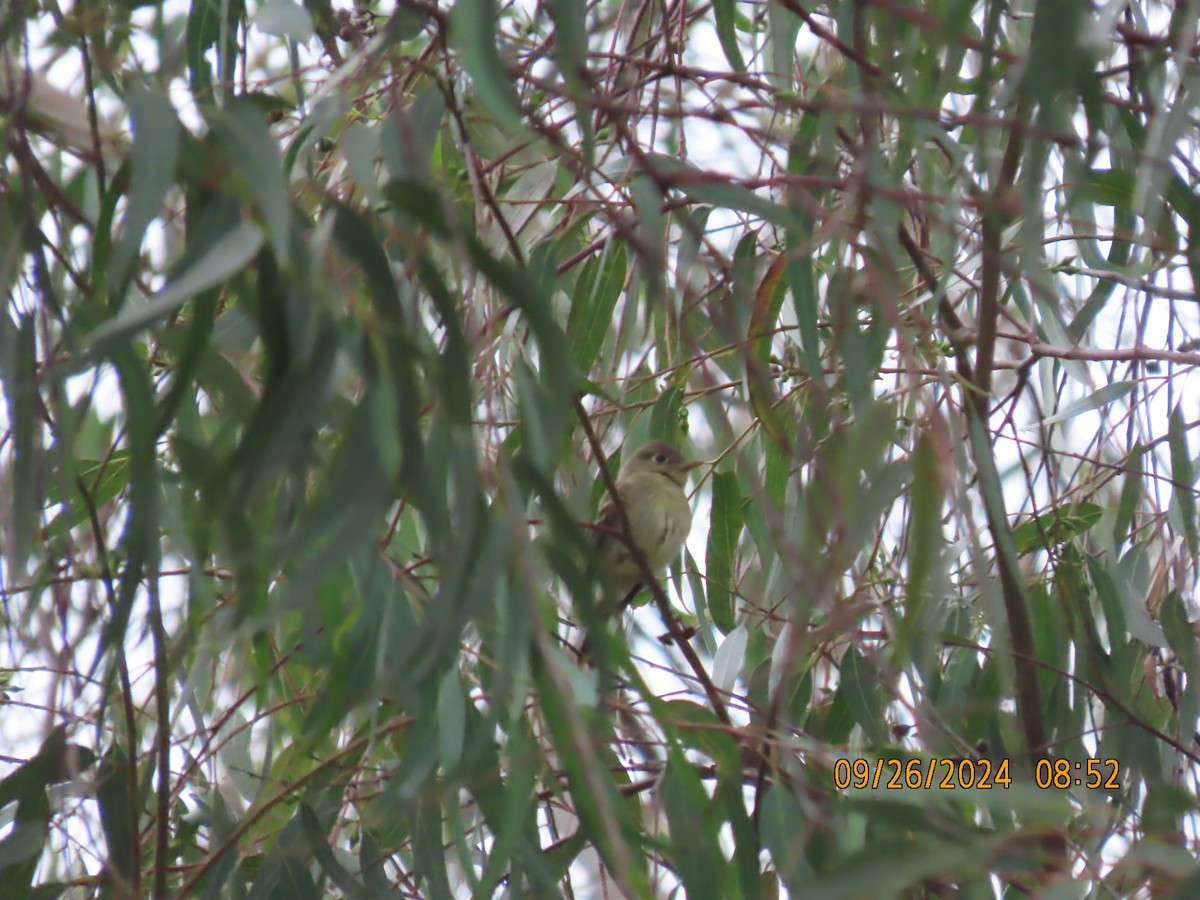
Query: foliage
318, 323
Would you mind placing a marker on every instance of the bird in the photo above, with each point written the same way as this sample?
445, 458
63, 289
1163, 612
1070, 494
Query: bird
651, 487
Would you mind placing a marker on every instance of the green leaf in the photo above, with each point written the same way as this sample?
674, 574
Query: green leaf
140, 539
783, 830
725, 527
860, 687
452, 720
778, 470
1099, 399
317, 841
212, 31
705, 188
725, 13
356, 238
411, 135
925, 538
802, 281
604, 818
117, 817
700, 863
1112, 187
783, 27
156, 142
421, 203
570, 46
429, 853
668, 414
593, 301
473, 30
1131, 494
21, 848
18, 365
229, 253
1056, 526
284, 870
896, 867
768, 300
728, 660
1184, 477
242, 133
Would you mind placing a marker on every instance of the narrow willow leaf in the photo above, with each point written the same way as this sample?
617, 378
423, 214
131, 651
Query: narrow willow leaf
355, 237
140, 539
533, 299
421, 203
697, 727
117, 818
860, 687
897, 867
603, 816
768, 300
454, 372
701, 864
1098, 399
724, 530
802, 282
689, 248
668, 414
18, 364
473, 29
924, 528
1051, 322
1131, 495
103, 480
452, 720
725, 13
1112, 187
703, 188
1129, 577
411, 135
1184, 476
593, 301
1182, 637
156, 142
284, 870
316, 840
727, 661
195, 352
570, 46
242, 133
229, 254
360, 147
27, 786
1056, 526
527, 194
783, 27
783, 825
429, 851
778, 471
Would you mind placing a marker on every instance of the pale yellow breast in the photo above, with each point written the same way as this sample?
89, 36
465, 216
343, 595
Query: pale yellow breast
659, 522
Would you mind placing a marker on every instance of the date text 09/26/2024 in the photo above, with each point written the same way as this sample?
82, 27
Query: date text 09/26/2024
893, 773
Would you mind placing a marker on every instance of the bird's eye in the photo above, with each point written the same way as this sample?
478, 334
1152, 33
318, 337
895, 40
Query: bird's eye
660, 458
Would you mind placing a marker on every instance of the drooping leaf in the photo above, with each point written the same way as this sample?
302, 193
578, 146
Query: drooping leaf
725, 527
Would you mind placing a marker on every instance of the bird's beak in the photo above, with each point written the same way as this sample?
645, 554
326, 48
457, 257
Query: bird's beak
687, 467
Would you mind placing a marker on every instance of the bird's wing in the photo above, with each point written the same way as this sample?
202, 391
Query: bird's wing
609, 522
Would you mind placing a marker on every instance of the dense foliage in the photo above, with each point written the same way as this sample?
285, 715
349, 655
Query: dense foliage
318, 325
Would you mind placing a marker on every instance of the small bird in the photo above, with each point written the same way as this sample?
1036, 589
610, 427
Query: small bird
650, 486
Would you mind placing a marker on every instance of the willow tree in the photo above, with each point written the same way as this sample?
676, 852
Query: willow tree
320, 325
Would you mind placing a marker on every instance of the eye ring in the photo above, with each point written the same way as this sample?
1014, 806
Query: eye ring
660, 458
